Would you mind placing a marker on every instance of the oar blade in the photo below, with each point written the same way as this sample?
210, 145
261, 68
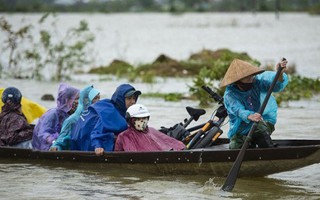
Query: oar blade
233, 174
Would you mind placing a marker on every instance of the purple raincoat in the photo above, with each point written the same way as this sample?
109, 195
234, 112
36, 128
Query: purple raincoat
150, 140
49, 125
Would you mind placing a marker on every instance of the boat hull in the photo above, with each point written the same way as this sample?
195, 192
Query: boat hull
216, 161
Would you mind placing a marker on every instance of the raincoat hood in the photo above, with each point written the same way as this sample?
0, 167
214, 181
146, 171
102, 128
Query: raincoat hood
62, 142
92, 94
118, 97
66, 96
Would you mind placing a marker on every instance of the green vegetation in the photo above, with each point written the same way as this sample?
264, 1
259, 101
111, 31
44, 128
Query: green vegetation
315, 10
63, 54
174, 6
11, 45
166, 97
58, 54
299, 88
117, 67
206, 67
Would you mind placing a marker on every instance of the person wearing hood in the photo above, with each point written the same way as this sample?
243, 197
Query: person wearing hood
140, 137
247, 87
105, 120
49, 125
88, 96
15, 129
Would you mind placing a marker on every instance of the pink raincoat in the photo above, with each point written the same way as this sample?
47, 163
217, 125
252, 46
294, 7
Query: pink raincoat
150, 140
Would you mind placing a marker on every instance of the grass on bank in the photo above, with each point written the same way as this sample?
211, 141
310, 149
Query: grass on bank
206, 67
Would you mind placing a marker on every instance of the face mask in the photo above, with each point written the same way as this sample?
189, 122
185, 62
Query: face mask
140, 124
244, 86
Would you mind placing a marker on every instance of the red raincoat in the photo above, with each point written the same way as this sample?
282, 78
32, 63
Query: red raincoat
150, 140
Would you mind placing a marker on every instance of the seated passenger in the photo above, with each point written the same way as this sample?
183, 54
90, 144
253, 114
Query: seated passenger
140, 137
49, 125
94, 96
105, 119
15, 129
30, 109
88, 95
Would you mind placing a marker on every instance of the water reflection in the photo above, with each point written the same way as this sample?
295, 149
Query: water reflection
51, 181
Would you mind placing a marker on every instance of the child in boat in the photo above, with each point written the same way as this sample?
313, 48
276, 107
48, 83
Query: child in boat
96, 131
247, 86
15, 129
140, 137
88, 96
49, 125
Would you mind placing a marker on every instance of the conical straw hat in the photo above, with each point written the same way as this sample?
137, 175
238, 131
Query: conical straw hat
237, 70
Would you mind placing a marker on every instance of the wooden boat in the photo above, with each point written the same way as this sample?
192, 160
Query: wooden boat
215, 161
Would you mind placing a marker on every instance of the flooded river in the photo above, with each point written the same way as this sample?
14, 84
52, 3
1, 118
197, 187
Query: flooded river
55, 181
294, 36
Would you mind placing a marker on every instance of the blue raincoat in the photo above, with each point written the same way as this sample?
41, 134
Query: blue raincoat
106, 118
49, 125
241, 104
63, 141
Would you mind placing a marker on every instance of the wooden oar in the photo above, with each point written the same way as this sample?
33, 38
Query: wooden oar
233, 173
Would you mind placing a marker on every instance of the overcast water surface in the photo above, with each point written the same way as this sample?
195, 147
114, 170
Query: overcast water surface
141, 38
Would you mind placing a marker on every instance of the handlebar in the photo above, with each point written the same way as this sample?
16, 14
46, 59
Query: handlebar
212, 94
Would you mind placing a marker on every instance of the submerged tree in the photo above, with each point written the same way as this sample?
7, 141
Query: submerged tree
64, 53
12, 44
58, 55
